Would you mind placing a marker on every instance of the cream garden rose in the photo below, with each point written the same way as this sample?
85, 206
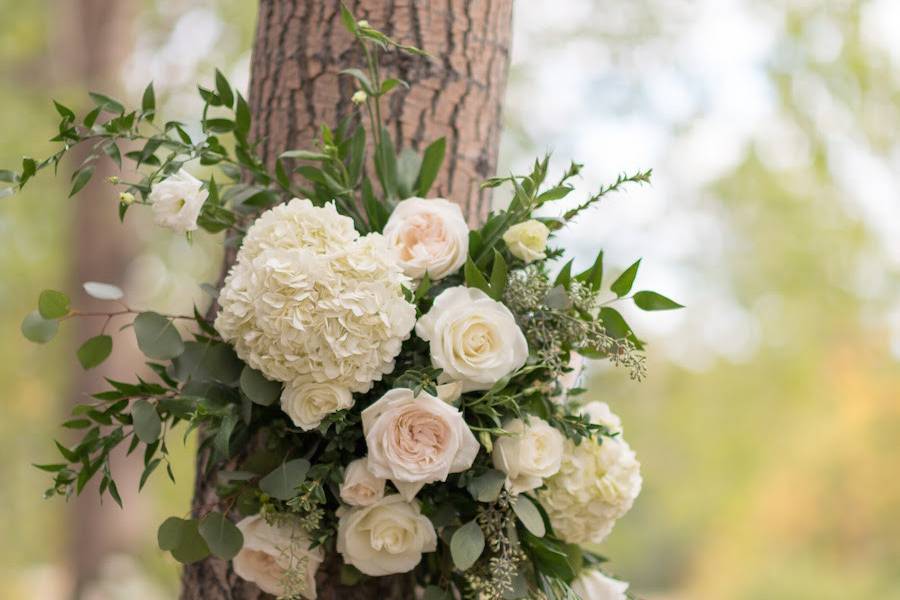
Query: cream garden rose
278, 558
415, 440
176, 202
429, 236
385, 538
594, 585
532, 453
474, 339
307, 403
527, 240
360, 487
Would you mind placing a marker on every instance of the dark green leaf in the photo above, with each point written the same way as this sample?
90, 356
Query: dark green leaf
169, 534
224, 90
593, 277
80, 178
431, 165
347, 19
219, 125
388, 84
112, 150
362, 78
242, 116
259, 389
652, 301
106, 103
407, 172
94, 351
148, 101
38, 329
565, 275
474, 277
466, 545
147, 425
222, 536
191, 545
53, 304
622, 285
283, 481
498, 276
157, 336
64, 111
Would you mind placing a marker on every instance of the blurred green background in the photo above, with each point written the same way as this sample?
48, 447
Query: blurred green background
769, 427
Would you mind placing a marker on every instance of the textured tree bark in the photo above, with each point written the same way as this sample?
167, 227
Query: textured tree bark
300, 48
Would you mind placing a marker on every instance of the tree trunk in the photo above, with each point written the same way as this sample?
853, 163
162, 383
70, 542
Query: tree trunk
300, 48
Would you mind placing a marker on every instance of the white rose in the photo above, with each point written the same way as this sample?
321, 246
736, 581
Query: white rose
360, 487
414, 440
594, 585
176, 202
530, 454
474, 339
527, 240
308, 403
429, 236
600, 413
272, 555
385, 538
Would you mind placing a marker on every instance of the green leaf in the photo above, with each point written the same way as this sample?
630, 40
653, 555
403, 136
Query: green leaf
362, 78
38, 329
224, 90
407, 172
466, 545
304, 155
222, 536
94, 351
283, 481
259, 389
64, 111
529, 515
205, 362
242, 116
80, 178
498, 276
565, 275
347, 19
622, 285
474, 278
106, 103
219, 125
91, 118
102, 291
422, 288
157, 336
53, 304
169, 534
487, 487
431, 165
593, 277
189, 544
647, 300
388, 84
148, 101
147, 425
616, 327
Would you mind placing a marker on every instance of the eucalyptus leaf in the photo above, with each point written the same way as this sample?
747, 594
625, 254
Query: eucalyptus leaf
157, 336
259, 389
169, 534
191, 545
147, 425
487, 487
103, 291
466, 545
283, 481
53, 304
94, 351
529, 515
38, 329
222, 536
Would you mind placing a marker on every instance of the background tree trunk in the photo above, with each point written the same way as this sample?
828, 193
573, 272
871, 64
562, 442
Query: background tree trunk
300, 48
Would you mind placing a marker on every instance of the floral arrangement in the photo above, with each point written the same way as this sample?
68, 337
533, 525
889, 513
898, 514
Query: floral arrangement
376, 378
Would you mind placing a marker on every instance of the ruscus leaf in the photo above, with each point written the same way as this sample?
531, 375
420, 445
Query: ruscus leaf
647, 300
622, 285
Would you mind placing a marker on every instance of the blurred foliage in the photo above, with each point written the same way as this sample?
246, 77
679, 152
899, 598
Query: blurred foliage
769, 475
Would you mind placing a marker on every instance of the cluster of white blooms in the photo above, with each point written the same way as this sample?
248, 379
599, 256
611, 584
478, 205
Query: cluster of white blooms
310, 300
596, 484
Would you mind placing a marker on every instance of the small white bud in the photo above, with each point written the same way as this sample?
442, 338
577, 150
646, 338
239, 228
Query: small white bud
112, 179
359, 97
126, 197
362, 23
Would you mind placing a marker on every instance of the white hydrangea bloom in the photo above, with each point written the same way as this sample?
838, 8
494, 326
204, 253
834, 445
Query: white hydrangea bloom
310, 300
596, 485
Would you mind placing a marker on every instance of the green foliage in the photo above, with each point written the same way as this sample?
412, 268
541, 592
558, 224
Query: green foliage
222, 537
466, 545
259, 389
157, 336
94, 351
283, 481
38, 329
53, 304
529, 515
